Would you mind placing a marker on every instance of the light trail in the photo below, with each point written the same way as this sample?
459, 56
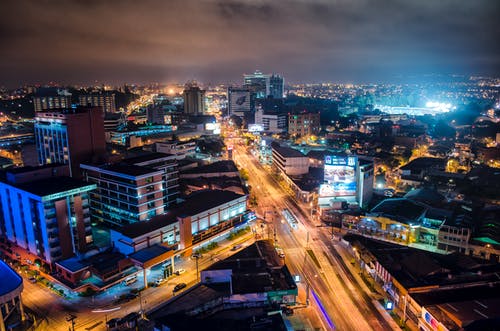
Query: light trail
323, 311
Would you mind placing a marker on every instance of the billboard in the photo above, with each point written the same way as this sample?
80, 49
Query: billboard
239, 101
340, 176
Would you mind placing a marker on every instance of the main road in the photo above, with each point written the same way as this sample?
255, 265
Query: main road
341, 301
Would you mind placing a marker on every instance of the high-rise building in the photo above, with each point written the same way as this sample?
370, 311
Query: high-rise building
126, 193
45, 212
257, 83
48, 98
70, 136
276, 86
303, 124
240, 101
194, 99
105, 100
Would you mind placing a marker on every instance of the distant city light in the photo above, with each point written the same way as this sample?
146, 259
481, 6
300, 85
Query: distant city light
441, 106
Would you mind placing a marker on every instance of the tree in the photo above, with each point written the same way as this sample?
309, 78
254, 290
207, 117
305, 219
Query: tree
443, 130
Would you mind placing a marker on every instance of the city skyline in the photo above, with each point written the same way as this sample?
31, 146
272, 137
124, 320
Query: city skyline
74, 42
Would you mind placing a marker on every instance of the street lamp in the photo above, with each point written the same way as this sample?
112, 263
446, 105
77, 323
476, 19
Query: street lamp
197, 256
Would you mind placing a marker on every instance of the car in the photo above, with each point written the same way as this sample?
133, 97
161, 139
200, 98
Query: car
130, 280
160, 281
32, 280
180, 272
179, 287
236, 247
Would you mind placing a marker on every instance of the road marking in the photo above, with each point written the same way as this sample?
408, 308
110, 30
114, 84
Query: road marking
94, 326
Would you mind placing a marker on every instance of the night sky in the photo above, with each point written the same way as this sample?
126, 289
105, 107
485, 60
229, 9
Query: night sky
216, 41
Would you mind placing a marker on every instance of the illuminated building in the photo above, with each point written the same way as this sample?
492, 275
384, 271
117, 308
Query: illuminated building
201, 217
276, 86
45, 212
51, 98
105, 100
11, 305
126, 193
258, 83
289, 161
347, 179
303, 124
70, 136
180, 149
194, 99
166, 163
271, 121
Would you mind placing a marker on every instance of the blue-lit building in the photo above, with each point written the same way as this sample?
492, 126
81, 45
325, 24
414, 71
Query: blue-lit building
45, 213
70, 136
11, 305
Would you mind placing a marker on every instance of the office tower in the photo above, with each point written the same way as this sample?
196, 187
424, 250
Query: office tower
271, 121
276, 86
45, 212
70, 136
240, 101
194, 99
168, 164
303, 124
126, 193
105, 100
258, 83
48, 98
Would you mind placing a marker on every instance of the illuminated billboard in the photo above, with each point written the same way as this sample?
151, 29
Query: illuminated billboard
340, 176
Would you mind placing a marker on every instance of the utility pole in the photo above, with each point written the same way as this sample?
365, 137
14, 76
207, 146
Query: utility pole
197, 272
140, 303
71, 318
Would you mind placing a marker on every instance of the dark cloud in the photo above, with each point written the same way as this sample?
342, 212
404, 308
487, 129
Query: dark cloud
216, 40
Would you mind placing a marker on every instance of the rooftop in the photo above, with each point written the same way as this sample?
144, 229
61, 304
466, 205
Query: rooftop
73, 264
53, 185
200, 201
427, 196
286, 151
125, 169
257, 269
414, 268
149, 253
403, 210
138, 229
424, 163
10, 279
220, 166
149, 156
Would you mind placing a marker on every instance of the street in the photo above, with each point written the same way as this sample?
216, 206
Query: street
340, 300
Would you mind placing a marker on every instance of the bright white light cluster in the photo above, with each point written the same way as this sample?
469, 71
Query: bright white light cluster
444, 107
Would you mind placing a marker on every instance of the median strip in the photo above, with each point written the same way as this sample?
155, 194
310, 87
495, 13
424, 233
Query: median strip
313, 257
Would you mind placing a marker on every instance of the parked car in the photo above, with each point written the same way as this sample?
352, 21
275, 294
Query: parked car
130, 280
179, 287
160, 281
236, 247
32, 280
180, 272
